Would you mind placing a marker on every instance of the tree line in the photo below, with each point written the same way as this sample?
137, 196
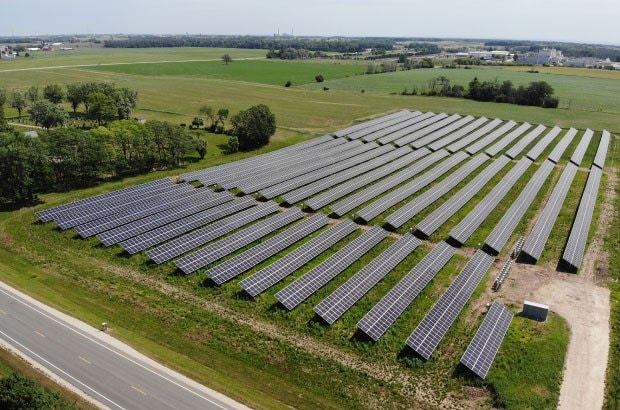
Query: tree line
536, 93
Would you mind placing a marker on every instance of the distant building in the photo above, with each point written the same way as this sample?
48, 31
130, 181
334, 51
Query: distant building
546, 56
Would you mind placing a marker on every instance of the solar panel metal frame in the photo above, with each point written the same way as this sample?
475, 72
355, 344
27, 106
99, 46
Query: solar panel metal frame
577, 239
347, 204
238, 264
461, 232
304, 287
505, 227
483, 348
507, 140
382, 204
289, 263
200, 258
582, 147
401, 216
428, 334
383, 315
486, 140
440, 215
559, 149
201, 236
182, 226
342, 299
536, 240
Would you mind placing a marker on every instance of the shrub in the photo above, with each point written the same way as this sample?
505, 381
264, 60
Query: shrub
319, 78
253, 127
288, 84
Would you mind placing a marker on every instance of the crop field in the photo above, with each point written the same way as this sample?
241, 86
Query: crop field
254, 349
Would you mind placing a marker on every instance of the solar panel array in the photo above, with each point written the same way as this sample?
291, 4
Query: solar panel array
370, 129
506, 226
440, 215
409, 138
383, 315
397, 127
507, 140
441, 132
461, 232
559, 149
601, 152
538, 149
217, 250
342, 299
582, 147
483, 142
385, 202
466, 135
298, 291
365, 124
484, 346
536, 240
526, 140
289, 263
409, 210
427, 335
430, 119
235, 266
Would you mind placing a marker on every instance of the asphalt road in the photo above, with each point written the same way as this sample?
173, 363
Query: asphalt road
112, 374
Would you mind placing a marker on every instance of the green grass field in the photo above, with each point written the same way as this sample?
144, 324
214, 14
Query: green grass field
254, 351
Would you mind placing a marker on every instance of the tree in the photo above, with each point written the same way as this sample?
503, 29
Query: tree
197, 122
53, 93
209, 113
222, 114
172, 142
226, 58
47, 114
319, 78
74, 95
133, 146
32, 94
23, 167
19, 392
200, 145
231, 146
2, 98
18, 101
125, 100
101, 108
254, 126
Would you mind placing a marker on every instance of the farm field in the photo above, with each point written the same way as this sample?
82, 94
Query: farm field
256, 351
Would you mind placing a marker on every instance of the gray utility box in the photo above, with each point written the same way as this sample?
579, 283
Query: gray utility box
535, 311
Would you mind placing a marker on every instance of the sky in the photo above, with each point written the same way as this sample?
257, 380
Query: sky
592, 21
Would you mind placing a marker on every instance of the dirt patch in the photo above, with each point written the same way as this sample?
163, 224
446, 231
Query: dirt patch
6, 239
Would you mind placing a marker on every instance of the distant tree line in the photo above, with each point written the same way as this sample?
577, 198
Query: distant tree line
424, 48
537, 93
66, 158
348, 45
290, 53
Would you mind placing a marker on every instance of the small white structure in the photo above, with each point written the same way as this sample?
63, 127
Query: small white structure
535, 311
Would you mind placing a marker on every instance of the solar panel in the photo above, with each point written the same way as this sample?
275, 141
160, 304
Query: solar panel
435, 325
342, 299
506, 226
461, 232
417, 117
466, 132
135, 228
538, 149
559, 149
441, 132
520, 145
194, 239
582, 147
484, 346
409, 210
383, 315
440, 215
364, 179
601, 152
163, 233
505, 141
233, 267
300, 290
355, 200
47, 215
199, 259
384, 203
576, 245
356, 127
289, 263
373, 159
429, 118
537, 239
483, 142
409, 138
370, 129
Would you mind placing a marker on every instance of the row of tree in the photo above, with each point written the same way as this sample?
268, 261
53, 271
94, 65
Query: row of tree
537, 93
66, 158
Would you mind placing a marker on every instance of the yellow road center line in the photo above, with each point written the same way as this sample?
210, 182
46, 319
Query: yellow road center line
138, 390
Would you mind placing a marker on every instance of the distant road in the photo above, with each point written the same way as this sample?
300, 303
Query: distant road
12, 70
110, 373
